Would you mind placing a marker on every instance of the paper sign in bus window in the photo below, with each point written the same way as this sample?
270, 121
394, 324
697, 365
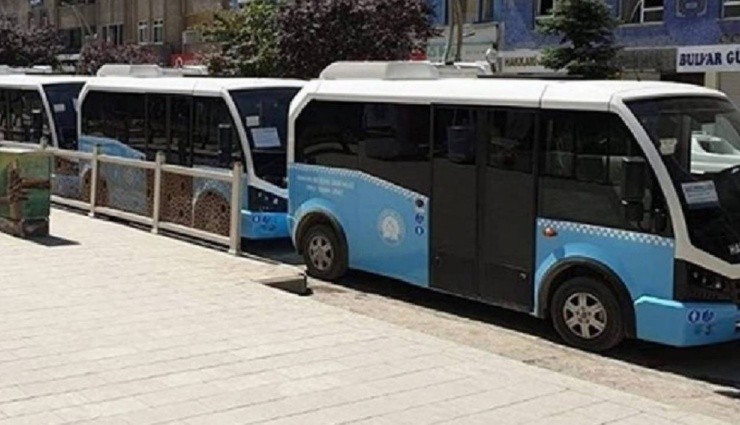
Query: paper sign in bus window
700, 194
668, 146
252, 120
265, 137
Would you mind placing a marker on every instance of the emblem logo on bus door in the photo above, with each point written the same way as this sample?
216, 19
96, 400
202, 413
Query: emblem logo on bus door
391, 227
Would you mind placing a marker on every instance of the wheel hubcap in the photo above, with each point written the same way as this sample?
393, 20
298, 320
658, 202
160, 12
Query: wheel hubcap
320, 252
585, 315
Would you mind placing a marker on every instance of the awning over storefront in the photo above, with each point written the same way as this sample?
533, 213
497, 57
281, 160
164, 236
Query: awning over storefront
658, 59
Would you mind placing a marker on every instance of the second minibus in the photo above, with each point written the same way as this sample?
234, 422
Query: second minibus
200, 122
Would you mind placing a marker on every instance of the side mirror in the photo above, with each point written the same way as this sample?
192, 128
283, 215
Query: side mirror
37, 125
660, 220
225, 144
633, 188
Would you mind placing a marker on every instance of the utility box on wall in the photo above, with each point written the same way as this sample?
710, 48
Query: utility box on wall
25, 196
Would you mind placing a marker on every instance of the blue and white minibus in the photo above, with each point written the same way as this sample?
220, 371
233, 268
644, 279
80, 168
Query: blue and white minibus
610, 207
44, 101
185, 118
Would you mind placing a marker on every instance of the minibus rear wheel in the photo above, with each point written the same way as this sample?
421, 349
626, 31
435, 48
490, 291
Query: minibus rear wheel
324, 253
586, 314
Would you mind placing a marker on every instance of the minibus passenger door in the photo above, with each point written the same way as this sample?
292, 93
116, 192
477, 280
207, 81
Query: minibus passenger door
181, 112
454, 221
507, 208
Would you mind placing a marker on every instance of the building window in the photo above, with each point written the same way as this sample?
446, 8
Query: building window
158, 31
117, 33
112, 33
642, 11
143, 32
544, 8
731, 9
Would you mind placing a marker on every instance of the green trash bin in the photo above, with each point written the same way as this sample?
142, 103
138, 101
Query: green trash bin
25, 195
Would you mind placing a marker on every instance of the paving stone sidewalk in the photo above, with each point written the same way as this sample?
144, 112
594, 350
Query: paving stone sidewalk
109, 324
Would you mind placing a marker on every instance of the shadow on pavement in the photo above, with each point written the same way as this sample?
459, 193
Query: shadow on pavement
277, 250
53, 241
717, 364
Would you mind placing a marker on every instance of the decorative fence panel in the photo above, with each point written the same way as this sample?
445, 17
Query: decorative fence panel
201, 203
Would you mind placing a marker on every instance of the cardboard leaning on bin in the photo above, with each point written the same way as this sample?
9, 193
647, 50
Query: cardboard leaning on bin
25, 197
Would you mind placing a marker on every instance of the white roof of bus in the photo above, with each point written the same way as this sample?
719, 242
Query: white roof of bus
34, 81
182, 85
593, 95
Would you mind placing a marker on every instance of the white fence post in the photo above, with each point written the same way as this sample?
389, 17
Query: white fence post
94, 180
235, 230
157, 196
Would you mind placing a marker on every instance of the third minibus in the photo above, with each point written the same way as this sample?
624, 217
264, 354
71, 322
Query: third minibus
185, 118
39, 109
610, 207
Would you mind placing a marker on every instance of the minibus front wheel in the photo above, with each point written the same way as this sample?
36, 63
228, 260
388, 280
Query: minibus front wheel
586, 314
324, 253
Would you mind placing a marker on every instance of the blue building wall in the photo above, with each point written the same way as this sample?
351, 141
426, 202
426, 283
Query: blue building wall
709, 28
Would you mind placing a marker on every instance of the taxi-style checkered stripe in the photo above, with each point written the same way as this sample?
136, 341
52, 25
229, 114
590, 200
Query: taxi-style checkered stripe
354, 174
606, 232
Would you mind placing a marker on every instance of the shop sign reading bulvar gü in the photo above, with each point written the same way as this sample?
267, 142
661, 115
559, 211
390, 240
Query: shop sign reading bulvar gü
722, 58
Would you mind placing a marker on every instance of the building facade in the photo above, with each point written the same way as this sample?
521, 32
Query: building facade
694, 41
169, 27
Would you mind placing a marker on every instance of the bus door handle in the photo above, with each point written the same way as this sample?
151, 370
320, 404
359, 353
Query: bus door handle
550, 232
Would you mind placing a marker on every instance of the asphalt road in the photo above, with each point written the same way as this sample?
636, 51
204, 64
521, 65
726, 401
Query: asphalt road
705, 380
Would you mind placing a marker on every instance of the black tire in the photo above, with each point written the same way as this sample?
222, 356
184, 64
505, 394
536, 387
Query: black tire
332, 264
578, 326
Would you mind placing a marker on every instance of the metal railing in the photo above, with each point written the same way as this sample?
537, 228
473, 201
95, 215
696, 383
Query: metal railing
154, 194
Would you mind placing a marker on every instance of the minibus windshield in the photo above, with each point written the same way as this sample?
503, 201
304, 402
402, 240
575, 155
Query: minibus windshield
63, 104
264, 114
698, 139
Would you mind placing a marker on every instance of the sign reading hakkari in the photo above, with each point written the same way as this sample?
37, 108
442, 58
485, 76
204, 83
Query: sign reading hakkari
522, 61
708, 58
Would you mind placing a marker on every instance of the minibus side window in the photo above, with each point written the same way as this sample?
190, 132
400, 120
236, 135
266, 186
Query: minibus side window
180, 126
457, 134
209, 114
581, 169
328, 133
394, 144
168, 128
115, 116
156, 110
22, 104
510, 140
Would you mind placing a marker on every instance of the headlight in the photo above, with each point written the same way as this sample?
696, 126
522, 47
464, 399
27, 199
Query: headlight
706, 285
708, 280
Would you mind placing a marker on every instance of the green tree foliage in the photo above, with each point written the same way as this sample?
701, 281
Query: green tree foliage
299, 39
25, 48
247, 41
587, 48
96, 54
316, 33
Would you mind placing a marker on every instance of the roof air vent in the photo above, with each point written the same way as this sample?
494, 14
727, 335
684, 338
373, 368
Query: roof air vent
124, 70
380, 71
